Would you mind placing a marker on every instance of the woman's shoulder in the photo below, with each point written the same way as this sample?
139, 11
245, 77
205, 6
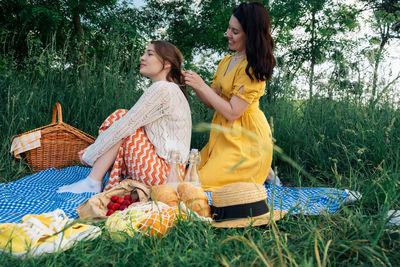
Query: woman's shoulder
165, 89
241, 68
164, 85
242, 74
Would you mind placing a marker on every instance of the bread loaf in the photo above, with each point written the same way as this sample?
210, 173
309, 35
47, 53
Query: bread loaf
194, 198
165, 194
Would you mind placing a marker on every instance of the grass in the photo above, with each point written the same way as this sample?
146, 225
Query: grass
339, 143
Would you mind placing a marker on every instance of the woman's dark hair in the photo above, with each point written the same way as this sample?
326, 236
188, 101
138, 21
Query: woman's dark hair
168, 52
254, 19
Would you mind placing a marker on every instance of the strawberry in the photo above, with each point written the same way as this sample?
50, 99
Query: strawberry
114, 198
122, 207
109, 212
126, 203
128, 197
110, 205
120, 200
116, 206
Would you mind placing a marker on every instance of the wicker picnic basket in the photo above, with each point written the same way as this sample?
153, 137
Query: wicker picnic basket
59, 144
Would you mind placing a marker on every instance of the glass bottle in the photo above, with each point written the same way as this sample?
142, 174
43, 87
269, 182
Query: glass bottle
174, 175
192, 174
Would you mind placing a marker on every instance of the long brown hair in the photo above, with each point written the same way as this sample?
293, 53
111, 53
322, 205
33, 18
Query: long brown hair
256, 25
168, 52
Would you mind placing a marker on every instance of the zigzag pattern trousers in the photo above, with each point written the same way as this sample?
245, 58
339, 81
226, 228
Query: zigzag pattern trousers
136, 158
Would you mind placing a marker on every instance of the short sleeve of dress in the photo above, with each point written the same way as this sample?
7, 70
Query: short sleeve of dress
251, 87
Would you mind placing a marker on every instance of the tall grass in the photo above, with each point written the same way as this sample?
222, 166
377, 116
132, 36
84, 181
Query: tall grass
341, 144
336, 140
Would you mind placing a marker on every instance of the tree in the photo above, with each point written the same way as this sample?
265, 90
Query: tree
189, 25
117, 29
41, 19
386, 24
310, 32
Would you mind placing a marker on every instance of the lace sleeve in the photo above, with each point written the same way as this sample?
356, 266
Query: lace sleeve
152, 105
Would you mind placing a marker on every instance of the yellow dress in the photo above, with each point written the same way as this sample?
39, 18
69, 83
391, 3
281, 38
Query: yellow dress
227, 150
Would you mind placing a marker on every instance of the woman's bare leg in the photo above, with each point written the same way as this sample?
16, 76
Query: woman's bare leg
104, 163
93, 182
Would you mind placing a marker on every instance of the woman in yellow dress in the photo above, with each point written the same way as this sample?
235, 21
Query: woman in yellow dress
238, 84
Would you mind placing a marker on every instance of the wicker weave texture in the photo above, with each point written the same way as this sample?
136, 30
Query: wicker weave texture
60, 144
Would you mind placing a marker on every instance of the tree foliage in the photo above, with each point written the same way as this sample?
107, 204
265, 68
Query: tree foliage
24, 20
386, 24
312, 37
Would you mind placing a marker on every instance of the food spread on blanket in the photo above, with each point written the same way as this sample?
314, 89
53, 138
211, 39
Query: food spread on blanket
166, 194
195, 199
149, 218
188, 191
120, 203
192, 196
156, 217
127, 222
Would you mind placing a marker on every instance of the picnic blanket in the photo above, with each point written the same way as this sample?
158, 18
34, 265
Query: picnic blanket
307, 201
36, 194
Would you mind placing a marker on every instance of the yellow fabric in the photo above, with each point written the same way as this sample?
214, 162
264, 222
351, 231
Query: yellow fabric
226, 149
25, 142
44, 233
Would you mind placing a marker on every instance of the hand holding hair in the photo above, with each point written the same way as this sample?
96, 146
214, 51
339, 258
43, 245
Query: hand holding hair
194, 80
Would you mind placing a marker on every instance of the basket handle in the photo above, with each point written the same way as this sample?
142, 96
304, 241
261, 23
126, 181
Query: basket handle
57, 108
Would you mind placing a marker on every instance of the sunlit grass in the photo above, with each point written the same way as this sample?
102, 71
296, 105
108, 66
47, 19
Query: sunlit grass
317, 143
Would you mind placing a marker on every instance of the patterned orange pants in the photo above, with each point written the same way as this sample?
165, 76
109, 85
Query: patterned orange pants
136, 158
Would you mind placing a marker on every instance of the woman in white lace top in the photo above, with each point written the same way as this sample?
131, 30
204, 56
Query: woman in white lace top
135, 143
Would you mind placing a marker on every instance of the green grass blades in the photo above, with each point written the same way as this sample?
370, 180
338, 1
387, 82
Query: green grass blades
322, 142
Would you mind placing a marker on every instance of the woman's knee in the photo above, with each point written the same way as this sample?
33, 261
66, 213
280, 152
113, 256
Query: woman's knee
119, 113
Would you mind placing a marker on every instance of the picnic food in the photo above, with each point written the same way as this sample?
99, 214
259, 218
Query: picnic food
165, 194
96, 206
158, 222
150, 218
119, 203
127, 222
194, 198
109, 212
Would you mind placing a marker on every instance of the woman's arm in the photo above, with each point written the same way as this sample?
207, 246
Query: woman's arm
203, 98
231, 110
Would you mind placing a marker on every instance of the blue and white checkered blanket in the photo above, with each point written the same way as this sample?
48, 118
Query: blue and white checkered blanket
308, 201
36, 194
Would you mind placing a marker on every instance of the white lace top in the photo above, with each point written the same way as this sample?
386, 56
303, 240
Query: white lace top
162, 111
